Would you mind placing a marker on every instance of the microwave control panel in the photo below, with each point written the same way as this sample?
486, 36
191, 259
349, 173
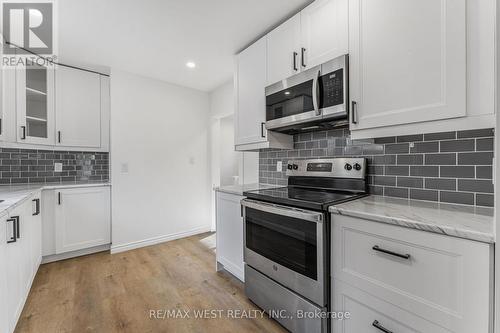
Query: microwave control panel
332, 88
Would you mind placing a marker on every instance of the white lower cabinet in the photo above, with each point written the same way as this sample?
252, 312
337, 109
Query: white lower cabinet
82, 218
230, 234
22, 250
4, 319
408, 280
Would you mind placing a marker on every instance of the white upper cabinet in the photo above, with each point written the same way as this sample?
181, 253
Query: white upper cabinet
251, 102
35, 104
78, 108
250, 114
283, 50
324, 32
407, 61
315, 35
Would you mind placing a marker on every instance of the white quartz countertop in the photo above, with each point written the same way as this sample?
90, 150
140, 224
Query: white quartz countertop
13, 195
239, 189
474, 223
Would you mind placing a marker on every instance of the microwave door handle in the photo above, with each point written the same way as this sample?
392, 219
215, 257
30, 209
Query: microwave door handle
315, 93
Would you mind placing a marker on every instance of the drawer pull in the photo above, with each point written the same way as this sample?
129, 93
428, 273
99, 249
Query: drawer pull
399, 255
377, 325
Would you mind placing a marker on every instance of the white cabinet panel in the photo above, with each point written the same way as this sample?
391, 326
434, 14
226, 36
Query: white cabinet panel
35, 218
78, 108
230, 233
283, 50
250, 114
369, 314
443, 279
251, 101
82, 218
4, 319
324, 31
35, 104
407, 61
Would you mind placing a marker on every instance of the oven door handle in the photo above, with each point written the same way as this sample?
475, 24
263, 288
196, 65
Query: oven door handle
315, 93
283, 210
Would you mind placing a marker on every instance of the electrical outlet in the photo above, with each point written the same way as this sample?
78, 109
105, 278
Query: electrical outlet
58, 167
279, 166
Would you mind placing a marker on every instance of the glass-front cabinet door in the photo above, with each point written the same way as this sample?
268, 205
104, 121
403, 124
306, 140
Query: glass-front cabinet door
35, 103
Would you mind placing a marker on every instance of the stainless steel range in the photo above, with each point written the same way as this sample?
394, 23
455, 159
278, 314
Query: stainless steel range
286, 239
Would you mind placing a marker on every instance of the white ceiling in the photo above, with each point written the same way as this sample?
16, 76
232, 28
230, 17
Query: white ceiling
156, 38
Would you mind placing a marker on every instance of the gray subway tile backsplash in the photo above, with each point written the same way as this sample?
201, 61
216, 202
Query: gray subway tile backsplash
451, 167
25, 166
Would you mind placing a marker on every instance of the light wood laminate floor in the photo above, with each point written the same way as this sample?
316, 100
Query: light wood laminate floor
115, 293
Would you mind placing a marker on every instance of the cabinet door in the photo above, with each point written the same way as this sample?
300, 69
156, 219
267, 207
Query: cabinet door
4, 321
78, 108
407, 61
324, 31
35, 219
250, 89
82, 218
230, 233
35, 104
19, 269
283, 50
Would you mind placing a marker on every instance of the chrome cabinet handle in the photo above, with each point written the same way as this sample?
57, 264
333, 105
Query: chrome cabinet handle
59, 199
399, 255
262, 126
23, 132
354, 112
58, 136
303, 57
295, 54
377, 325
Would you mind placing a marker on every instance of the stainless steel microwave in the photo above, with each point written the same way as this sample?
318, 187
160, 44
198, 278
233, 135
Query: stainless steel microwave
313, 99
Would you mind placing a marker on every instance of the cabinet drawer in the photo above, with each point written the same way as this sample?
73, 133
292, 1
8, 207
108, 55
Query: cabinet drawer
443, 279
368, 314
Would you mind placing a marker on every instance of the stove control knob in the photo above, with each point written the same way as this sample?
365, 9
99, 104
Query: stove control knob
348, 167
357, 167
295, 167
289, 166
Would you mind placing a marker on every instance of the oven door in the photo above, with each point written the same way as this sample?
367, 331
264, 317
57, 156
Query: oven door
287, 245
294, 100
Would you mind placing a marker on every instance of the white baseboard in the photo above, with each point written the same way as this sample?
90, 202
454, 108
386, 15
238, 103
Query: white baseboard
158, 240
74, 254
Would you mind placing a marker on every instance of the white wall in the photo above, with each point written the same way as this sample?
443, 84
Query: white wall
160, 131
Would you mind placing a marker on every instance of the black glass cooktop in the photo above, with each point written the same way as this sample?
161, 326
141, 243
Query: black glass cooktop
308, 198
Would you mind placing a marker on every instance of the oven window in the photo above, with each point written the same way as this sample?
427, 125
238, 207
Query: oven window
289, 102
287, 241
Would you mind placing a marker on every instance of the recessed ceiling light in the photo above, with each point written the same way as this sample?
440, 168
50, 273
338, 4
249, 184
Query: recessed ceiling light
190, 64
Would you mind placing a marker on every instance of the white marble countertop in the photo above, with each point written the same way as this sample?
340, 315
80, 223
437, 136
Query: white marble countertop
475, 223
239, 189
14, 195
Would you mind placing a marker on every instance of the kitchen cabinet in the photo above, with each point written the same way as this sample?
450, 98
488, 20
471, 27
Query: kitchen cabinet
283, 50
35, 104
22, 248
82, 218
313, 36
387, 268
250, 109
229, 234
324, 32
4, 319
407, 61
78, 108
